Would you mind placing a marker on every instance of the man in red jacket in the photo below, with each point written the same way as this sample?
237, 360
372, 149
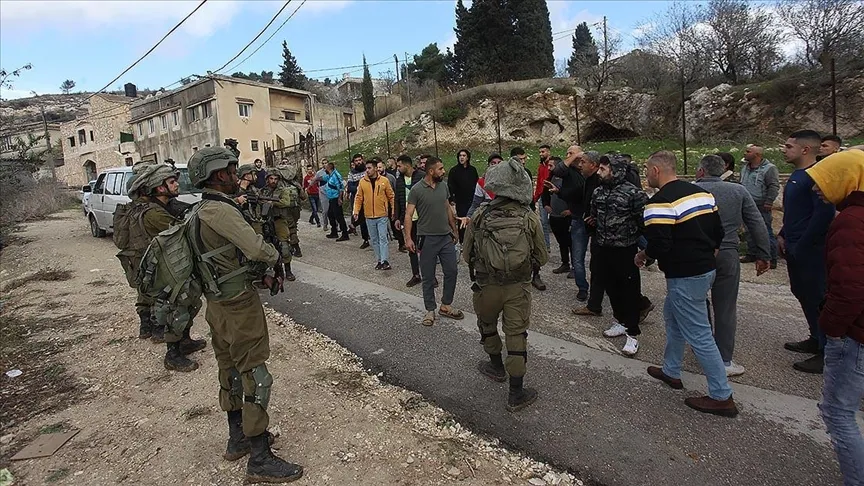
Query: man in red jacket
839, 180
542, 176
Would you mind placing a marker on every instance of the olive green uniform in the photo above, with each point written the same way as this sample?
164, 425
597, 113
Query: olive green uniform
252, 211
236, 317
513, 300
283, 214
154, 220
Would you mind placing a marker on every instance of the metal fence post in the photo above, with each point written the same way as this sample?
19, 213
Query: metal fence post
683, 124
387, 135
576, 105
498, 124
435, 135
348, 139
833, 98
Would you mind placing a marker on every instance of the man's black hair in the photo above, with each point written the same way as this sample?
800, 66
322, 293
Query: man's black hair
494, 156
517, 151
404, 159
431, 161
728, 159
544, 146
467, 152
809, 135
355, 156
832, 138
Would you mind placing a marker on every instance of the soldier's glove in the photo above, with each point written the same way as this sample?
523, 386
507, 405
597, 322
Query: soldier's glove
273, 283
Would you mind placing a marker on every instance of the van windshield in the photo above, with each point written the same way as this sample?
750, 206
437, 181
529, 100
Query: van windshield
186, 186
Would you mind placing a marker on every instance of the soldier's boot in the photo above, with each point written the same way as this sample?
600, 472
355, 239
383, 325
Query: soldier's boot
189, 345
157, 335
176, 361
519, 397
145, 329
288, 275
264, 467
238, 443
297, 253
493, 369
536, 281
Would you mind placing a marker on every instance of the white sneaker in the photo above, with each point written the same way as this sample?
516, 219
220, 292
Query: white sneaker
616, 330
631, 347
734, 369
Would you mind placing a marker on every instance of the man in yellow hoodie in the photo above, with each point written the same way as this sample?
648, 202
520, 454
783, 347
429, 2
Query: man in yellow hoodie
376, 198
839, 179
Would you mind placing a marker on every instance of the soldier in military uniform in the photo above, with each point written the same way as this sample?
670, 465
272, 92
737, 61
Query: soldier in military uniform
247, 176
504, 242
236, 316
292, 181
156, 187
283, 213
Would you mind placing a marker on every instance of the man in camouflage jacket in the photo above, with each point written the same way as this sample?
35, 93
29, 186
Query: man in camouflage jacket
617, 208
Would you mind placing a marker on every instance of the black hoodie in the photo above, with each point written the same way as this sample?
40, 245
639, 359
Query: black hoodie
462, 180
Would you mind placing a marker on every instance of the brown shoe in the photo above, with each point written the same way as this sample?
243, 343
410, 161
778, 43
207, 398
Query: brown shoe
585, 311
657, 373
723, 408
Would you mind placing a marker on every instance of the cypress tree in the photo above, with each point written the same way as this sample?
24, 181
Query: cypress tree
530, 52
464, 38
367, 95
585, 53
290, 76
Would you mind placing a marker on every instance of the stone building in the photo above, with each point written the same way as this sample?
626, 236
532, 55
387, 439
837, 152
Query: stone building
205, 112
100, 140
10, 137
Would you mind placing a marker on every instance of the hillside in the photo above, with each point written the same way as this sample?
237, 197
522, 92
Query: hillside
58, 108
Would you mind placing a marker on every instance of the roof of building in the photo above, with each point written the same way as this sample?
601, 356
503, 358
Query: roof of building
117, 98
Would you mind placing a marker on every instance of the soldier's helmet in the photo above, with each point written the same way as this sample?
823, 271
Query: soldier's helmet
245, 169
274, 172
207, 161
151, 177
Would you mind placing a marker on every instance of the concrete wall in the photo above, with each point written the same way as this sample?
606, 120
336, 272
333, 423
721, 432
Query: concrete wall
406, 115
331, 121
107, 119
10, 138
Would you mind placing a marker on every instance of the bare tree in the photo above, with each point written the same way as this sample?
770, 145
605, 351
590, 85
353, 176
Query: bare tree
561, 70
828, 28
387, 80
674, 35
598, 76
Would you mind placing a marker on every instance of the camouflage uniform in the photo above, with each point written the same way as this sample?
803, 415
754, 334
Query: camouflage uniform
508, 295
617, 207
294, 185
285, 212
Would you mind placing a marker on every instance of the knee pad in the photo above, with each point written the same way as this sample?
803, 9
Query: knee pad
230, 382
263, 381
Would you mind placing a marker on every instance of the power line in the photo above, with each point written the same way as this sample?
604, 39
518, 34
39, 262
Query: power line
268, 39
346, 67
148, 52
255, 38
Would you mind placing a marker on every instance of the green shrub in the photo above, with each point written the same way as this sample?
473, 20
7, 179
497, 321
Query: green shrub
449, 115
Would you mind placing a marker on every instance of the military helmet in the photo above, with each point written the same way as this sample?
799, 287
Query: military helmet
274, 172
245, 169
206, 161
151, 177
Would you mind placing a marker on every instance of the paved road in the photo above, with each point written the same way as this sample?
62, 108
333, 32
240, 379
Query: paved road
599, 415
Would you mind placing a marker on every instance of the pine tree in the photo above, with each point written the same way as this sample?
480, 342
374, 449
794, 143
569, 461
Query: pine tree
290, 76
464, 39
585, 53
491, 47
367, 95
530, 52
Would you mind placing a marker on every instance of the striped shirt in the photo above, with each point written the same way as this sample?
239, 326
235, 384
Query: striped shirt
683, 229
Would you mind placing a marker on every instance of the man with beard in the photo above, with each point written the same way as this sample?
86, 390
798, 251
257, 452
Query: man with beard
408, 178
461, 181
358, 170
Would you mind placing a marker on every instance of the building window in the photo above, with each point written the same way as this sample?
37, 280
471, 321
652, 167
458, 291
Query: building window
82, 136
71, 141
245, 109
207, 110
206, 144
151, 124
175, 115
164, 120
6, 143
91, 135
140, 129
289, 115
254, 145
192, 114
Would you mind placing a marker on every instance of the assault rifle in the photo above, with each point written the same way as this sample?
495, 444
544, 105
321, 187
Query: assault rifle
268, 231
256, 199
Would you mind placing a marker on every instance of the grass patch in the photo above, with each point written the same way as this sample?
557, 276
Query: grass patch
57, 475
197, 411
29, 201
54, 371
54, 428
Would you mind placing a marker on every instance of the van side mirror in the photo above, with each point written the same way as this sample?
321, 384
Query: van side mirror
86, 188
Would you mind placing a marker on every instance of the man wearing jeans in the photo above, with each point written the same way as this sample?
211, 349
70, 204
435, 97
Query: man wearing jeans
839, 179
437, 236
573, 191
543, 171
375, 198
761, 179
684, 232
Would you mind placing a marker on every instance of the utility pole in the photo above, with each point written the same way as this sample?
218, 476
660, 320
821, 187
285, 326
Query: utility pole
604, 68
407, 80
396, 58
49, 156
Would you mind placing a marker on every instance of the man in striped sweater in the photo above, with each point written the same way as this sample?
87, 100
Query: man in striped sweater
684, 234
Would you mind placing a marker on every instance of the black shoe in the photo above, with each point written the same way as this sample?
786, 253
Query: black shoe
643, 314
175, 360
342, 238
564, 268
414, 281
571, 275
538, 283
158, 335
403, 249
748, 259
189, 345
264, 467
582, 295
812, 365
332, 235
364, 245
145, 328
296, 251
289, 276
238, 444
378, 266
649, 262
493, 368
385, 265
773, 264
519, 396
807, 346
319, 225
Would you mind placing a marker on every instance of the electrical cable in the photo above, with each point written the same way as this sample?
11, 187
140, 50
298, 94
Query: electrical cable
267, 40
254, 38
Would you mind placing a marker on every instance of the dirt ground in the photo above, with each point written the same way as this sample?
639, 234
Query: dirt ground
67, 322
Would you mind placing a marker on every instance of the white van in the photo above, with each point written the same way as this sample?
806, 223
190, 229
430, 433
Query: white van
110, 190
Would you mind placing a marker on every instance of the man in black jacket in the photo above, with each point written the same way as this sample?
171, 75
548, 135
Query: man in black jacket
408, 176
461, 180
573, 192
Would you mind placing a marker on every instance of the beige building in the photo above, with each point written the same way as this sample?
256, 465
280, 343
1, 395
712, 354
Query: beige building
206, 112
11, 136
100, 140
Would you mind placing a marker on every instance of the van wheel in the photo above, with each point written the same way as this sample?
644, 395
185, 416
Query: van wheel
95, 230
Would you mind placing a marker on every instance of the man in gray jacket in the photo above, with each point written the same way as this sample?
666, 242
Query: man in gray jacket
762, 180
736, 207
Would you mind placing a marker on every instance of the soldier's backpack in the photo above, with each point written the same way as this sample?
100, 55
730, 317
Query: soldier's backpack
130, 237
121, 226
502, 245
